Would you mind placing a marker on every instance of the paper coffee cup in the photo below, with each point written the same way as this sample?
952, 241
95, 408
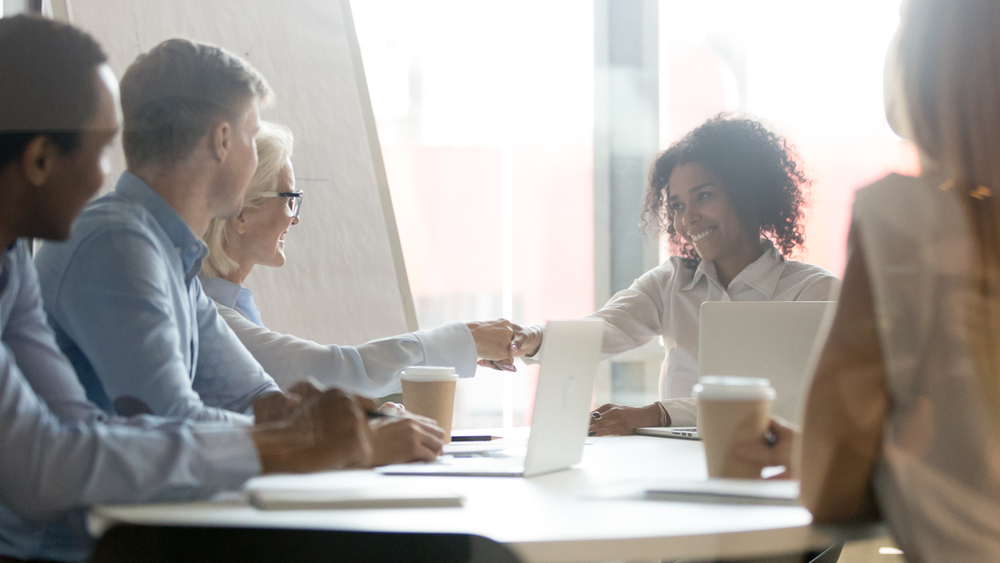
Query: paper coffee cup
732, 410
430, 391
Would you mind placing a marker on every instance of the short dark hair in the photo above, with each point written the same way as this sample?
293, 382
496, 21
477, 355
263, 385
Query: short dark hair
760, 173
173, 95
47, 83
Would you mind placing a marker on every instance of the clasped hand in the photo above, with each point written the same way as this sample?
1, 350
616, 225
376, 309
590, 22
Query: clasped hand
499, 341
309, 429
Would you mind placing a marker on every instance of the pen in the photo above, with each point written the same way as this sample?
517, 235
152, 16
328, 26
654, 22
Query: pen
483, 438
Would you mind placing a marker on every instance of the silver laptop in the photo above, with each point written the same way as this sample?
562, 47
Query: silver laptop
779, 340
560, 417
679, 432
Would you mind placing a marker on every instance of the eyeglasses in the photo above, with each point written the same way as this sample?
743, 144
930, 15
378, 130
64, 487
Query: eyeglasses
294, 200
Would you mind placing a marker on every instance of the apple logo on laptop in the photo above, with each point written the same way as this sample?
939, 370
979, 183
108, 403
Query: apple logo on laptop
570, 392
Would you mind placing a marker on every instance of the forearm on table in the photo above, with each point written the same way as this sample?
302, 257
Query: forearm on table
680, 412
50, 467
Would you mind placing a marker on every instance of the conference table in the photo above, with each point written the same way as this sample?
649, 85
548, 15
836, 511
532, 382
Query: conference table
595, 511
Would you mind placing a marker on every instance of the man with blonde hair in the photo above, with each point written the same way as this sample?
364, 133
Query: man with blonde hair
123, 294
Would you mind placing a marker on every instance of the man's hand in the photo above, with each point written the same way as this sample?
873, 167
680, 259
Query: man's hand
274, 407
616, 420
328, 430
402, 440
524, 341
494, 341
773, 449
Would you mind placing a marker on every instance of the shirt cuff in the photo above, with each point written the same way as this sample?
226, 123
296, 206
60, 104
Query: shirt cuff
230, 452
449, 345
682, 412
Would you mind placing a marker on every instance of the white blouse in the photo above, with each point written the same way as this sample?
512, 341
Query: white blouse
938, 481
371, 369
666, 302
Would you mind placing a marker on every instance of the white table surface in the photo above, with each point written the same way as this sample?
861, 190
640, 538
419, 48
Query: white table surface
595, 511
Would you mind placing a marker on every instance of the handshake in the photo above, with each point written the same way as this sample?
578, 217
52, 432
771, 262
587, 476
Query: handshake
313, 429
499, 342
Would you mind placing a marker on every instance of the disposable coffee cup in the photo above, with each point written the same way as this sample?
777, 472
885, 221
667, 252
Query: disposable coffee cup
430, 391
731, 411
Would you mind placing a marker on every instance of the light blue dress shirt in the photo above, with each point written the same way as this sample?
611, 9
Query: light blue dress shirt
60, 453
371, 369
234, 296
124, 299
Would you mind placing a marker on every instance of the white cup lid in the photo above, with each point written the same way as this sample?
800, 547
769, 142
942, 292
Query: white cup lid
733, 388
429, 373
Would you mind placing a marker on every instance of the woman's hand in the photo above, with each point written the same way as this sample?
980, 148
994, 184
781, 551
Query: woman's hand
527, 340
499, 342
772, 449
617, 420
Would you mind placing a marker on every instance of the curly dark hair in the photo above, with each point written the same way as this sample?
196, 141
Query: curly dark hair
760, 172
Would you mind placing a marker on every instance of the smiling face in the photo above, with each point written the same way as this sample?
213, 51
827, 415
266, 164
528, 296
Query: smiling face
260, 231
704, 215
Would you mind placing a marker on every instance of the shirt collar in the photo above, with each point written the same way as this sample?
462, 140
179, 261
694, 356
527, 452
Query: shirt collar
762, 274
234, 296
191, 249
221, 291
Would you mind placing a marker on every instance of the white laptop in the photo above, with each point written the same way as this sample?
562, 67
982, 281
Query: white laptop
560, 417
779, 340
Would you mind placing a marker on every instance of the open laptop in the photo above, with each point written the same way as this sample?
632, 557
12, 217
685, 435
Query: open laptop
560, 417
778, 340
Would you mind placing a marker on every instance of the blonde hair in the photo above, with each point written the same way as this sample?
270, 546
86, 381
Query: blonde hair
274, 149
950, 56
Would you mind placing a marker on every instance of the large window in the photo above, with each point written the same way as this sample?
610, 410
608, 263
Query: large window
485, 115
811, 70
485, 112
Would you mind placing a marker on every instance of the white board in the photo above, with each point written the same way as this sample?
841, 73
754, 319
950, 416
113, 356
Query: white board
344, 281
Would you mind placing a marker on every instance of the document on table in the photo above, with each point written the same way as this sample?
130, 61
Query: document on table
735, 491
306, 498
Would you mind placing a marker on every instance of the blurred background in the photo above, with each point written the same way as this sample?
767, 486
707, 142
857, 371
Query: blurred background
517, 136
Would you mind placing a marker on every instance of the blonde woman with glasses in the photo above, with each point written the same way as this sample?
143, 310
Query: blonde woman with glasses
257, 237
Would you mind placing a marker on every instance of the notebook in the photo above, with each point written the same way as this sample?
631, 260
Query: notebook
560, 417
318, 498
728, 491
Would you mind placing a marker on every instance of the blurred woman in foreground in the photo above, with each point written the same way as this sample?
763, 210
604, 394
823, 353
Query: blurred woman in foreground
903, 417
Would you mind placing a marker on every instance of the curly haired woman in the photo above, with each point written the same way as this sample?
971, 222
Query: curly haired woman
730, 196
